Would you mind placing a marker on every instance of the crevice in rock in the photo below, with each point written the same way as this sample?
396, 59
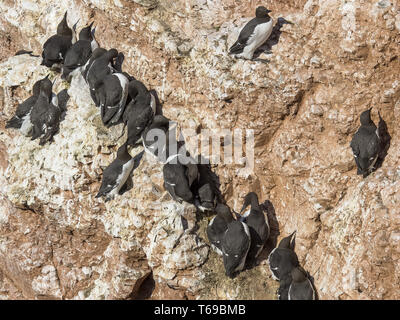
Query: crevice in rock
144, 288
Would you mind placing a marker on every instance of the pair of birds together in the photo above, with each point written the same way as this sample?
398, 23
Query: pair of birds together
241, 239
293, 279
40, 114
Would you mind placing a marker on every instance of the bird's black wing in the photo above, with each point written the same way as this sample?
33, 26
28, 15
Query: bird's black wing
244, 35
110, 175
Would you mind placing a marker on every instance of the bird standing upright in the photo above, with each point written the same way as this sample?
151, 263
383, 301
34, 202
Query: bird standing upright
56, 47
258, 225
366, 144
253, 35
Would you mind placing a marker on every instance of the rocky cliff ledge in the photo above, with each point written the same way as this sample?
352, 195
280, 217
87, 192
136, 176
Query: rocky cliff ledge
335, 60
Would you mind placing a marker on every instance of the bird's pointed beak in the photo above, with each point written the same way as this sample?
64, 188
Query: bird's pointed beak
76, 23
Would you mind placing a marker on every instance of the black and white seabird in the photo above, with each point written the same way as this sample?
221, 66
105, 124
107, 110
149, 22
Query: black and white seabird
218, 225
158, 129
97, 53
258, 226
178, 178
22, 119
235, 246
116, 174
253, 35
111, 94
46, 113
98, 68
283, 259
301, 287
79, 53
56, 47
205, 188
366, 144
140, 111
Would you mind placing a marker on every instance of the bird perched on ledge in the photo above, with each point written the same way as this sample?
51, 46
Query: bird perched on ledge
80, 52
22, 119
258, 225
56, 47
253, 35
116, 174
366, 144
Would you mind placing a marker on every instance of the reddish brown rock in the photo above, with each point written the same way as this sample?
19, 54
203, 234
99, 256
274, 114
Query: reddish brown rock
335, 60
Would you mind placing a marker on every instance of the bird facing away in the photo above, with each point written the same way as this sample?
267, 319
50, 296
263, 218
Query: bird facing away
258, 226
98, 69
217, 227
235, 246
116, 174
22, 120
178, 178
97, 53
112, 93
206, 197
79, 53
56, 47
46, 113
283, 259
253, 35
366, 144
301, 287
155, 138
140, 111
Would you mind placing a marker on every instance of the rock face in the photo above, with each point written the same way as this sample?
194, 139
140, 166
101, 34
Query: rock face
331, 62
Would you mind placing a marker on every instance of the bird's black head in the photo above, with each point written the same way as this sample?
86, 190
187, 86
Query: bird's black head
36, 86
365, 117
97, 53
46, 87
230, 263
86, 33
298, 274
136, 87
250, 199
224, 211
288, 242
111, 54
262, 12
63, 29
160, 121
123, 152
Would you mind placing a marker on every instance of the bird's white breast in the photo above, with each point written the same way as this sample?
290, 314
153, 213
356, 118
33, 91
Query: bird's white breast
260, 34
26, 126
123, 176
242, 262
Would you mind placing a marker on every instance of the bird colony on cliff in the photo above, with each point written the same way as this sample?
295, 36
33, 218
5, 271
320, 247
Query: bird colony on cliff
238, 237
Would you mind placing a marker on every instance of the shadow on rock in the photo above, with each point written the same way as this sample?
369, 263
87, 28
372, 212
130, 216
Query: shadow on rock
144, 290
385, 139
273, 38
